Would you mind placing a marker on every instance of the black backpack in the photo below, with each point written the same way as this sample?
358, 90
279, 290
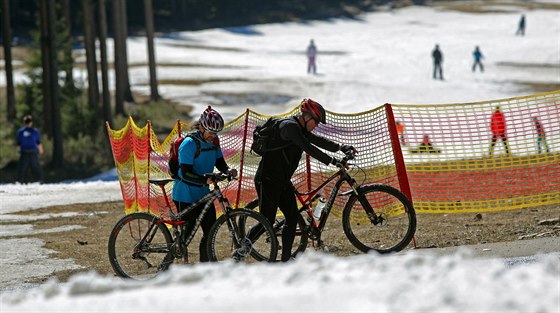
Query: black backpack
174, 152
266, 137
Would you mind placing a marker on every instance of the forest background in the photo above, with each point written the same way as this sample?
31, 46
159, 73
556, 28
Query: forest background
48, 39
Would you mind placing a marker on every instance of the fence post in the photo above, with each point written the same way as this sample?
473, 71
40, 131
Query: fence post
246, 127
108, 126
399, 160
308, 168
149, 186
397, 152
135, 177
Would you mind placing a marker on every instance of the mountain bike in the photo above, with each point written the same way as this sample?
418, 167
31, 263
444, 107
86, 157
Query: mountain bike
375, 217
142, 245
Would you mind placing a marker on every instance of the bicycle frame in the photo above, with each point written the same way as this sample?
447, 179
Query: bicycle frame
306, 198
177, 219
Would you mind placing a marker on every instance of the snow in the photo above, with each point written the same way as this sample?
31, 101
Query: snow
364, 62
409, 282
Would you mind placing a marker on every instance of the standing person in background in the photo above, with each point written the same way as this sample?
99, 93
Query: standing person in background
437, 56
400, 131
498, 128
311, 58
477, 59
30, 148
521, 27
541, 136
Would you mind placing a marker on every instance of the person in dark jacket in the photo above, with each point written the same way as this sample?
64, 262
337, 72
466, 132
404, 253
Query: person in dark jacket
273, 176
541, 135
477, 59
437, 56
521, 26
30, 148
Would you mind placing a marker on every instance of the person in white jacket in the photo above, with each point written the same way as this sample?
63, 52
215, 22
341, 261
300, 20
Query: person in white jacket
311, 57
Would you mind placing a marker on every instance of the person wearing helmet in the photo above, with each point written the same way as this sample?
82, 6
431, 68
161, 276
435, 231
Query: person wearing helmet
195, 160
273, 176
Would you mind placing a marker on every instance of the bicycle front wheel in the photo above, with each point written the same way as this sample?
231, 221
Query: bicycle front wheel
139, 246
229, 238
302, 233
394, 226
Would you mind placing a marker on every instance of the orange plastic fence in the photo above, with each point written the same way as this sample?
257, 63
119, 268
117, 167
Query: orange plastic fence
457, 174
139, 156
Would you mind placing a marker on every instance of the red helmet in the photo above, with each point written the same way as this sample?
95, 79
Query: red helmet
211, 120
314, 109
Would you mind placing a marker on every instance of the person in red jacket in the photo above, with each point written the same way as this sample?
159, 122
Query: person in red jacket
400, 131
498, 128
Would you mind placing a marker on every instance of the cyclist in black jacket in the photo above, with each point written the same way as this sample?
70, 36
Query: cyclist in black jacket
273, 177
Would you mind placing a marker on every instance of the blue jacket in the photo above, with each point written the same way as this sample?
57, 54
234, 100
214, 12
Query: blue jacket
28, 138
204, 163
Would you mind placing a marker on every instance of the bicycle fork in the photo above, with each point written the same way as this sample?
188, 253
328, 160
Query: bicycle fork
143, 246
242, 246
373, 217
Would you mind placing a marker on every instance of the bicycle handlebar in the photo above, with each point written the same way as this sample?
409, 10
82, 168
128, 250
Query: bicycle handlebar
217, 177
350, 155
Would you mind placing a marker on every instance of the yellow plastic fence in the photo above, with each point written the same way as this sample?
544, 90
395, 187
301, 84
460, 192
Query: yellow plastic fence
465, 171
457, 174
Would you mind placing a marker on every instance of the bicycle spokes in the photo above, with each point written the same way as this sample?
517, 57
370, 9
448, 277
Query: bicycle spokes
139, 246
380, 218
237, 234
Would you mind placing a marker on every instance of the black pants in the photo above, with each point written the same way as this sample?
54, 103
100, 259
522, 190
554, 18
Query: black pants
207, 221
479, 64
273, 195
29, 160
493, 143
438, 71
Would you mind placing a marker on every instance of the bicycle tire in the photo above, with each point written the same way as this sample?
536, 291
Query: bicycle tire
398, 228
302, 233
133, 253
227, 240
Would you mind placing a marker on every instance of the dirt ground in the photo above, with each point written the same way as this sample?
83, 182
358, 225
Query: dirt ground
88, 245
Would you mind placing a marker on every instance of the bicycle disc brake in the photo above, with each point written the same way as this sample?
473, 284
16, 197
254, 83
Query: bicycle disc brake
378, 219
139, 255
245, 248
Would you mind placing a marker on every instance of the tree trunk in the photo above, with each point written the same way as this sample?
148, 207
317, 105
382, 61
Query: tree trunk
120, 81
124, 35
102, 25
58, 150
68, 60
91, 61
45, 57
148, 10
10, 97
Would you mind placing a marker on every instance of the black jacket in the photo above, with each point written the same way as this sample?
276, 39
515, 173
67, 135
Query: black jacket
280, 165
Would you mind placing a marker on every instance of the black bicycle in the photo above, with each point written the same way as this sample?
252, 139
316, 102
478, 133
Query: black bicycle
141, 244
375, 217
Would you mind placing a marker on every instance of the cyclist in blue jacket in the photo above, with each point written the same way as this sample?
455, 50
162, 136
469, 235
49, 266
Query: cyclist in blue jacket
195, 160
30, 147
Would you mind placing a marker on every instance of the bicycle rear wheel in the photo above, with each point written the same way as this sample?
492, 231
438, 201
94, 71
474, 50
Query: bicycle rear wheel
392, 232
302, 234
139, 246
228, 239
